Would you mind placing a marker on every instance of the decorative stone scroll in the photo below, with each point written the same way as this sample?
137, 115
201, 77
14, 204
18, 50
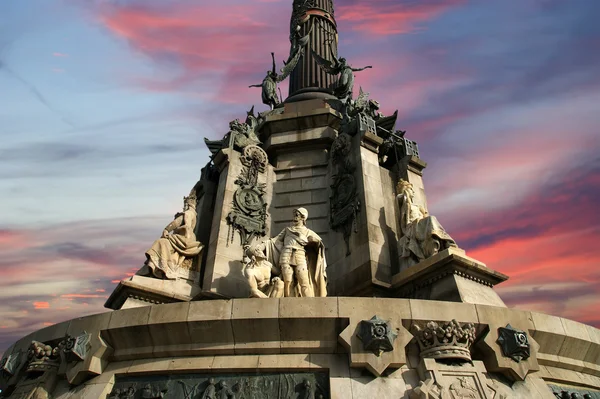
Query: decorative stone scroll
249, 214
377, 335
514, 343
344, 198
229, 386
449, 340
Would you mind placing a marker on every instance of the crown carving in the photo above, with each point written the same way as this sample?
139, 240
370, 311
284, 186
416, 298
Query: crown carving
42, 357
447, 340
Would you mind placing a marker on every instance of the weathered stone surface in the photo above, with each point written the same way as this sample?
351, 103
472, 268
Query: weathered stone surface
450, 276
256, 325
311, 326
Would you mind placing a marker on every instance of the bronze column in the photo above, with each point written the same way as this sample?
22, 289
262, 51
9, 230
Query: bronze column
316, 18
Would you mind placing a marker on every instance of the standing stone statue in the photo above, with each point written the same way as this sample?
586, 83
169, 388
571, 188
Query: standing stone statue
263, 277
178, 242
341, 66
422, 235
300, 254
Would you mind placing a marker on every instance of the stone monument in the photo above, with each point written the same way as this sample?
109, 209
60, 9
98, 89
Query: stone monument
305, 264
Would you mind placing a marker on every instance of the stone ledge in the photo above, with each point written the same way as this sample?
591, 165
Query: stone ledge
303, 330
449, 276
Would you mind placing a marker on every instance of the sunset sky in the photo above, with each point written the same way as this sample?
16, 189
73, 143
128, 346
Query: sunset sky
105, 104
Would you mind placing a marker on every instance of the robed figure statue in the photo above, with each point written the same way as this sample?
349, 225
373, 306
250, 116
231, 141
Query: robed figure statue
422, 235
178, 242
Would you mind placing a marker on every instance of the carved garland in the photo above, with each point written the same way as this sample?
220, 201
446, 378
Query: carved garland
249, 214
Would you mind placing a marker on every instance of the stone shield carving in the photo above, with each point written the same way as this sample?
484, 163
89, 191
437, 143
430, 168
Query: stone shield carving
514, 343
249, 214
377, 335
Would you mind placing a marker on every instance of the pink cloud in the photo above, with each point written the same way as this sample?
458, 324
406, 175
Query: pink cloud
391, 18
57, 54
41, 305
82, 296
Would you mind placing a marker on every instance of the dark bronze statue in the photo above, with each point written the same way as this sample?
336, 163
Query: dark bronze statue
339, 66
269, 83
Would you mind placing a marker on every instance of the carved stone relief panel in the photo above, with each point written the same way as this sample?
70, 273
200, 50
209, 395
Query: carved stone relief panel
249, 214
223, 386
564, 392
344, 197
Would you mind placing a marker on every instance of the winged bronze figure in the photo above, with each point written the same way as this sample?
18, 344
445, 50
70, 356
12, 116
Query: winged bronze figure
269, 83
339, 66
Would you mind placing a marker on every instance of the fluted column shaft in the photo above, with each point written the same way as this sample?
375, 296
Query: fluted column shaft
316, 17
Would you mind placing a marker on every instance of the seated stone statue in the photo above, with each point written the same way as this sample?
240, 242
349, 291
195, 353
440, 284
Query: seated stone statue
262, 275
177, 243
300, 255
422, 235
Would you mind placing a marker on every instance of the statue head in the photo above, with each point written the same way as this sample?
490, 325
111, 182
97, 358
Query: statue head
405, 188
211, 381
300, 216
190, 201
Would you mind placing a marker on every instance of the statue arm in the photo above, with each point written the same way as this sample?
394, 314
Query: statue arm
361, 69
314, 237
259, 85
279, 237
174, 224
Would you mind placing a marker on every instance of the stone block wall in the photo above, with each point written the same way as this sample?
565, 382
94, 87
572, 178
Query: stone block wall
254, 337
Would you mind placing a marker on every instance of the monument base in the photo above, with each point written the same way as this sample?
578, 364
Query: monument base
141, 290
334, 348
449, 276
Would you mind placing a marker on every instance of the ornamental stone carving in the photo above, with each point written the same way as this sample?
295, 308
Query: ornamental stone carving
74, 349
42, 357
240, 135
448, 340
466, 381
249, 213
377, 335
514, 343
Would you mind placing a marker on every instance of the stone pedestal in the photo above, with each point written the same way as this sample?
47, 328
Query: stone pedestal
450, 276
273, 346
144, 291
